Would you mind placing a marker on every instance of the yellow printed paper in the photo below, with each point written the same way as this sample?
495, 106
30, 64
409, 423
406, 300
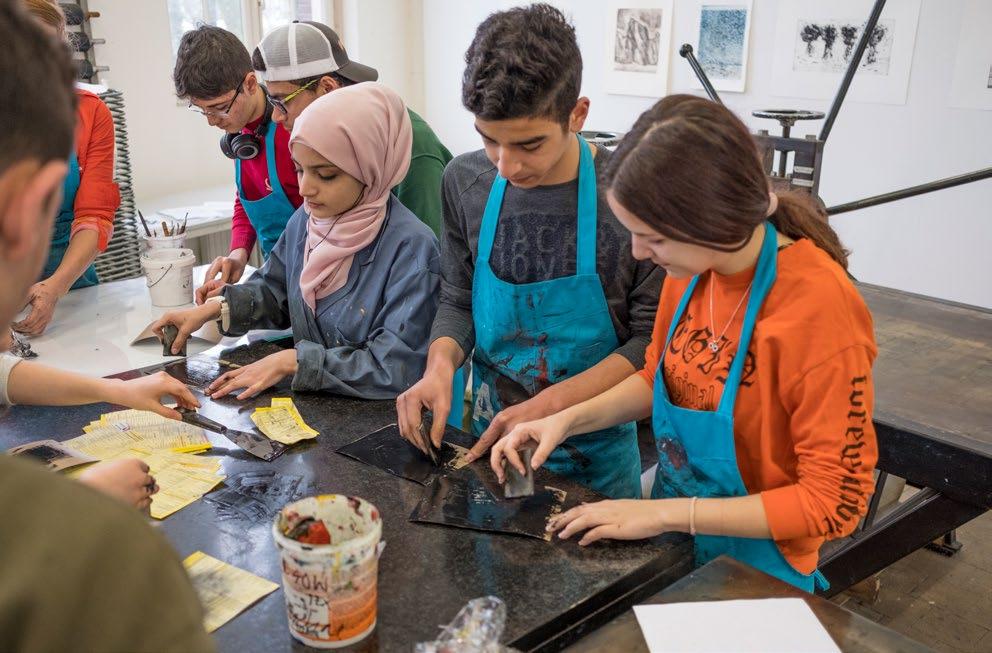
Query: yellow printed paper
224, 590
280, 425
161, 432
140, 429
180, 487
287, 403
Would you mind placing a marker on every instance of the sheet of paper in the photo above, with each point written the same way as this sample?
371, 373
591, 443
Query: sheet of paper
152, 431
55, 455
281, 425
182, 478
287, 403
208, 332
179, 487
746, 626
224, 590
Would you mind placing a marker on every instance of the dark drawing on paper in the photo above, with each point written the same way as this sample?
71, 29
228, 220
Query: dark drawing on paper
827, 46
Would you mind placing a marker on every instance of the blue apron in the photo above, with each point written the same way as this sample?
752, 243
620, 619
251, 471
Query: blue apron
268, 215
532, 335
696, 455
63, 230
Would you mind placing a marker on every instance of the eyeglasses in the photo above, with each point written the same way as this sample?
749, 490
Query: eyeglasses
219, 113
281, 103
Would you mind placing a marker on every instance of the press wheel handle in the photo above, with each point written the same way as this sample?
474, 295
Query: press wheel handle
788, 117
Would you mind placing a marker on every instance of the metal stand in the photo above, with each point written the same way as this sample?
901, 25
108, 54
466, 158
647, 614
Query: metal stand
807, 153
78, 15
947, 545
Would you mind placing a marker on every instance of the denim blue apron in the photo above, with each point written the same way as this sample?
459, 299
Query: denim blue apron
63, 230
696, 455
532, 335
268, 215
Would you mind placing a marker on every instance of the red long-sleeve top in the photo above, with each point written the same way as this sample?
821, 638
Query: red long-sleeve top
98, 196
255, 185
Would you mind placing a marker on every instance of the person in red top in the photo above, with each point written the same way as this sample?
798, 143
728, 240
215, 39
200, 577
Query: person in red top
214, 72
90, 198
758, 377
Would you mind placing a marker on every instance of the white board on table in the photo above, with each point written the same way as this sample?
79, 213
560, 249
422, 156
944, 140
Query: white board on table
743, 626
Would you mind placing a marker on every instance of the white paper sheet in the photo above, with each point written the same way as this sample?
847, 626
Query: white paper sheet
638, 43
814, 40
971, 82
754, 626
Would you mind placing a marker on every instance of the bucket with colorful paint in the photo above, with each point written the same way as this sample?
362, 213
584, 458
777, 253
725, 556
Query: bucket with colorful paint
169, 275
330, 561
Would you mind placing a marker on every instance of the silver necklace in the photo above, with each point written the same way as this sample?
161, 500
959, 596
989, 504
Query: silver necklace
714, 343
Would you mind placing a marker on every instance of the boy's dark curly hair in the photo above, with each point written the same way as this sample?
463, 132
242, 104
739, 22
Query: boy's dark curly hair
523, 63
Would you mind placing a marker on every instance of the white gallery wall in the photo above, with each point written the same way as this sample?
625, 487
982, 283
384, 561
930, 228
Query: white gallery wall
937, 244
172, 150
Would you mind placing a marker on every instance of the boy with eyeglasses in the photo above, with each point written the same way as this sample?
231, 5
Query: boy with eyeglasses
304, 60
214, 73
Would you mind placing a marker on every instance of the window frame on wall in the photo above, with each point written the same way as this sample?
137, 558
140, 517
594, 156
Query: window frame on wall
252, 17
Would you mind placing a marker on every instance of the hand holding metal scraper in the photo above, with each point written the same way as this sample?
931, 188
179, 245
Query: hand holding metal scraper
254, 443
423, 440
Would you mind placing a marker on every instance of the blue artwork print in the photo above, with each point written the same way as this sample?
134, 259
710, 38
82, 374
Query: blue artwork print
722, 35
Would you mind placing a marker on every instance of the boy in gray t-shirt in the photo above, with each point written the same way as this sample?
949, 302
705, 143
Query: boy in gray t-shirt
538, 282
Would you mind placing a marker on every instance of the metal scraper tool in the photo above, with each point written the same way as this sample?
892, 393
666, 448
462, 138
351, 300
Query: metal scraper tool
424, 431
256, 444
517, 484
169, 334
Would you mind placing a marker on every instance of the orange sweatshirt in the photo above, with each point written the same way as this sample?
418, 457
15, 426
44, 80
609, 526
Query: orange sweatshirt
98, 196
802, 422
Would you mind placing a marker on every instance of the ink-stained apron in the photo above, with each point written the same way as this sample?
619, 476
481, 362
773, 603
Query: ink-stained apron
529, 336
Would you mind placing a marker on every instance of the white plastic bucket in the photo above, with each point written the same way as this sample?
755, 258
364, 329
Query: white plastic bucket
331, 589
169, 275
166, 242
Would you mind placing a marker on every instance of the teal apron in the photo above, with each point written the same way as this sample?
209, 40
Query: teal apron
63, 230
532, 335
696, 455
268, 215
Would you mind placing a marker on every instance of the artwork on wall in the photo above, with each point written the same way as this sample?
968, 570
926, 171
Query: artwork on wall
971, 78
722, 35
814, 42
639, 35
827, 46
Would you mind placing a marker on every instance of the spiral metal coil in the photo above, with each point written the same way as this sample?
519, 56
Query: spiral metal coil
121, 260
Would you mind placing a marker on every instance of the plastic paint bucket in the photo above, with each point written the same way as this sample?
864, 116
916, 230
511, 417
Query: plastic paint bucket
166, 242
331, 589
169, 275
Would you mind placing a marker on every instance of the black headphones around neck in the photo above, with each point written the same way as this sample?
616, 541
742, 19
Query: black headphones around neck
242, 147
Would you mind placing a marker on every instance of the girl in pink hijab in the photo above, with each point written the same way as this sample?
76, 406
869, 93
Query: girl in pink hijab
355, 274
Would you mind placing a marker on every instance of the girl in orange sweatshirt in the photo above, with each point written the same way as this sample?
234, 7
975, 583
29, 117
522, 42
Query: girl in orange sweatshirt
90, 198
758, 377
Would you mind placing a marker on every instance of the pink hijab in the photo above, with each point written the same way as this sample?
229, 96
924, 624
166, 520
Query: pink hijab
365, 131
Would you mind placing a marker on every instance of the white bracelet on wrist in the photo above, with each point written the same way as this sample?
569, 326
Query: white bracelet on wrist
225, 312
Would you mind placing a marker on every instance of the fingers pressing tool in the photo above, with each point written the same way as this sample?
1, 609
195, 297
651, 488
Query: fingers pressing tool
169, 333
424, 435
517, 484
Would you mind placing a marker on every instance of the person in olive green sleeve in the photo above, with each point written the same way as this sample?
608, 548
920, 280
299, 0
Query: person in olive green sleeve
79, 571
301, 61
82, 572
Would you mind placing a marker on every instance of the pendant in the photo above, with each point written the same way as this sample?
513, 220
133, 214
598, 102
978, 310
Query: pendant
714, 346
